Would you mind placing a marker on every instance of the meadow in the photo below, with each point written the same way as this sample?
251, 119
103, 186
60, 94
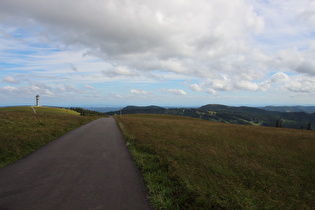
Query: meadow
38, 110
190, 163
22, 131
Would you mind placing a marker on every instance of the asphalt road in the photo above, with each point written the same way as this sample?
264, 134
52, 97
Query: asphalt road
87, 168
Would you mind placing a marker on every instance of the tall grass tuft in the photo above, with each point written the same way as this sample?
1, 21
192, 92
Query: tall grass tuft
195, 164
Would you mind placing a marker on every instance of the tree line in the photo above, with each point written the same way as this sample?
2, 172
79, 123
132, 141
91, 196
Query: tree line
86, 112
279, 125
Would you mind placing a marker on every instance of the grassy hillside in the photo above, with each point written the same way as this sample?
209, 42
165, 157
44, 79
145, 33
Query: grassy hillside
38, 109
230, 114
22, 131
189, 163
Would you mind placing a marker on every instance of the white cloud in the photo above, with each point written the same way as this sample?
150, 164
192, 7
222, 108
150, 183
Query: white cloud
300, 84
279, 77
210, 91
10, 80
196, 87
9, 89
290, 84
27, 90
221, 85
120, 71
34, 88
224, 45
174, 91
175, 36
48, 93
300, 61
246, 85
308, 14
71, 89
89, 87
138, 91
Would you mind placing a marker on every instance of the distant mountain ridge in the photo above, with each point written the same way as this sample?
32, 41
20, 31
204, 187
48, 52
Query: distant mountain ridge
143, 108
216, 107
230, 114
306, 109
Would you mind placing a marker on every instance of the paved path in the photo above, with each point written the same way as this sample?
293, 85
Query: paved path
88, 168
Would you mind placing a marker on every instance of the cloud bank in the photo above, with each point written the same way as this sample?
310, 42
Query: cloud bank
215, 46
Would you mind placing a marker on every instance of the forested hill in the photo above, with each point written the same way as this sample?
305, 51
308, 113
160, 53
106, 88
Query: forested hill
306, 109
143, 108
230, 114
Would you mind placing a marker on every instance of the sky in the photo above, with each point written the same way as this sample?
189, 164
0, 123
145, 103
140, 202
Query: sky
148, 52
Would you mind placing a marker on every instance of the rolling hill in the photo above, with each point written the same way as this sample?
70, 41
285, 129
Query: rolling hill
190, 163
22, 131
306, 109
230, 114
38, 109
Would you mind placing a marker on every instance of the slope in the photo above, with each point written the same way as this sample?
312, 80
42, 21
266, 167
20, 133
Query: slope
190, 163
229, 114
38, 109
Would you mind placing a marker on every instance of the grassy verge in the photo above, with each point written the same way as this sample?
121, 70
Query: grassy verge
166, 189
23, 132
194, 164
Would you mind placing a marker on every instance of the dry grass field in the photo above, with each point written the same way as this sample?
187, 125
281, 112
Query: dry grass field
195, 164
22, 131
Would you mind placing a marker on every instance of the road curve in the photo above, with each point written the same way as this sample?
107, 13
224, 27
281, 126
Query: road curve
87, 168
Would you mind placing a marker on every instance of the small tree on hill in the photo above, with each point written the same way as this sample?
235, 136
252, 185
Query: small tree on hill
278, 124
309, 126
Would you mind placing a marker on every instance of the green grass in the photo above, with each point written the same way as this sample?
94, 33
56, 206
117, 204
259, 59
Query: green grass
195, 164
38, 109
22, 131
